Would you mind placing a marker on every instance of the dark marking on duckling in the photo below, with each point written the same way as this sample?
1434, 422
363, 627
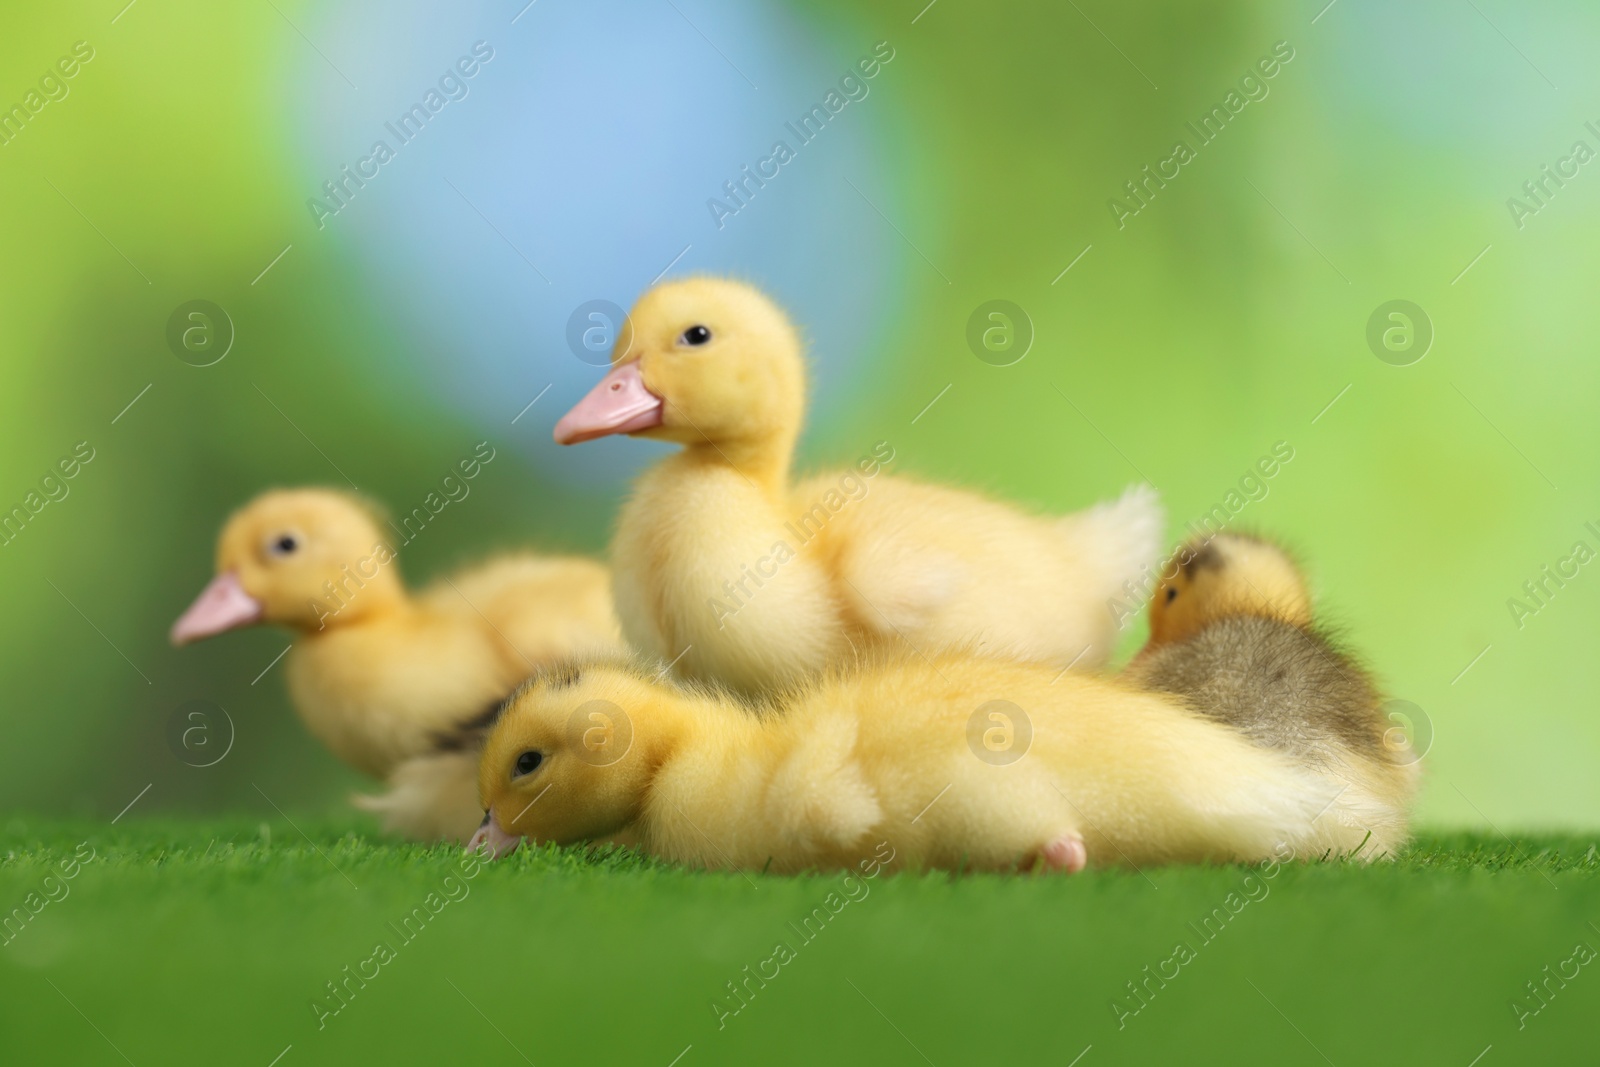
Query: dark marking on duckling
1207, 557
468, 734
564, 675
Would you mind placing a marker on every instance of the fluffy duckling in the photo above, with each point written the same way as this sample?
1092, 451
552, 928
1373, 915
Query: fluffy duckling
1229, 574
397, 685
954, 762
1231, 633
726, 569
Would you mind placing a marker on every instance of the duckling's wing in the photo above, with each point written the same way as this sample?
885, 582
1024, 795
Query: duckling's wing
819, 799
899, 556
940, 566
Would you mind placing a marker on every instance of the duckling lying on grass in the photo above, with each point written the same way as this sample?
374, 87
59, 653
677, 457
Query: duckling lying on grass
958, 762
397, 685
1231, 633
839, 562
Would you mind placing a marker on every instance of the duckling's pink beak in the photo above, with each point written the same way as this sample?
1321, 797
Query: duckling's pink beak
500, 843
619, 404
223, 605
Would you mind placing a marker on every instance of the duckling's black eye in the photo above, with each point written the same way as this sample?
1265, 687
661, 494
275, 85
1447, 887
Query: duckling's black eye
1172, 594
694, 336
285, 544
528, 762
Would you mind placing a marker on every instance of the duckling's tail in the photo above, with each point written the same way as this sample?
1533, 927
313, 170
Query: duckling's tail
430, 798
1124, 538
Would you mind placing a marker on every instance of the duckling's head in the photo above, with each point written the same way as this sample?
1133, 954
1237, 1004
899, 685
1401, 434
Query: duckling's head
1230, 574
304, 558
573, 752
703, 360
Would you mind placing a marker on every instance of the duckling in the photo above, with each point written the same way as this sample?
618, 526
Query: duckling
954, 762
1231, 633
396, 685
733, 574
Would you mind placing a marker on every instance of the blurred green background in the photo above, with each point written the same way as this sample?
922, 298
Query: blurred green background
1226, 316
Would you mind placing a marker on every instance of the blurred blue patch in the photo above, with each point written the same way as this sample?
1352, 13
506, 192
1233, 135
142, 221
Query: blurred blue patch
585, 150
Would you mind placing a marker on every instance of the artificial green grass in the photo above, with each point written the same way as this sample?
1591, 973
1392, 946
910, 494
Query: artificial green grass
210, 942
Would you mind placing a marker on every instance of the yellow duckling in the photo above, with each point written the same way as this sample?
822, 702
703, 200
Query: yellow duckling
397, 685
1231, 633
953, 762
733, 574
